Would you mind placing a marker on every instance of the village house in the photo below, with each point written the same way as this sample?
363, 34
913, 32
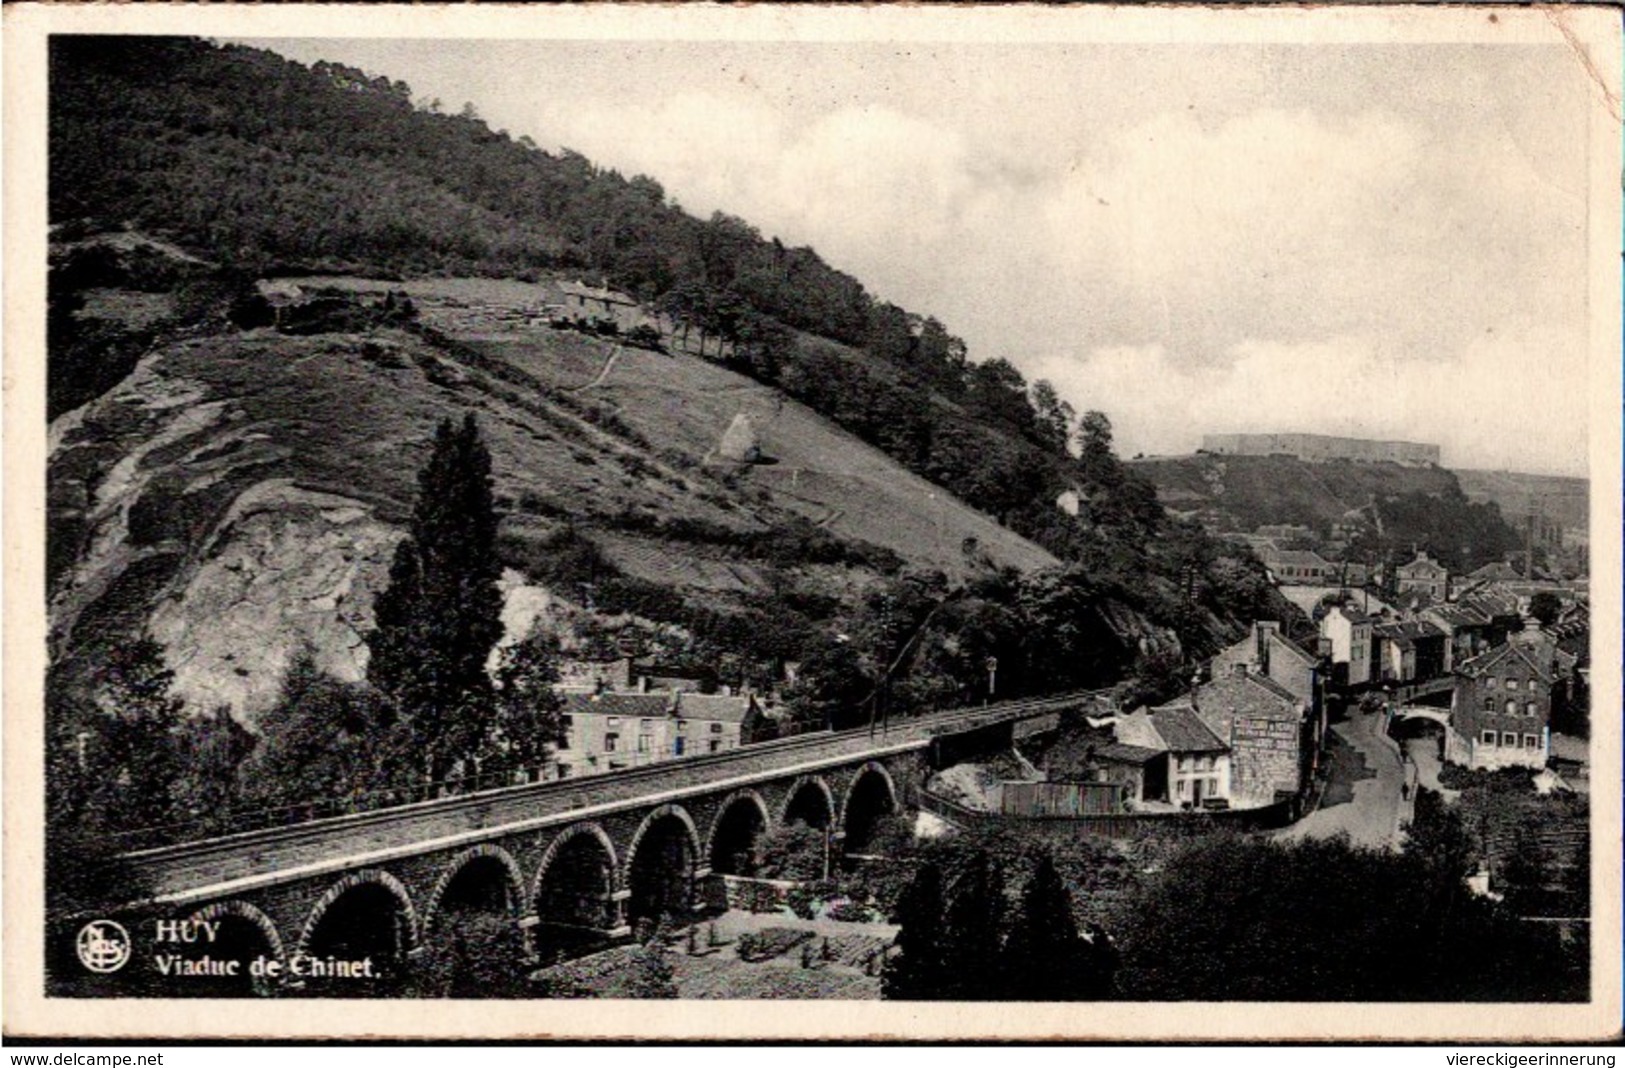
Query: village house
1349, 631
1408, 650
1423, 575
1267, 653
577, 298
1096, 756
1468, 629
1271, 733
609, 731
1501, 712
1299, 567
1195, 762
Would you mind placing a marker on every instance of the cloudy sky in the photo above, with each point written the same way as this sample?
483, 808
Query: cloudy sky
1375, 240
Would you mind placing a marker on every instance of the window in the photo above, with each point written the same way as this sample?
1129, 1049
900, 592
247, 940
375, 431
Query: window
716, 744
1512, 684
1532, 708
614, 721
1530, 741
1184, 787
1512, 708
677, 746
564, 771
644, 741
1488, 738
1489, 704
716, 728
1509, 739
609, 742
1492, 682
564, 740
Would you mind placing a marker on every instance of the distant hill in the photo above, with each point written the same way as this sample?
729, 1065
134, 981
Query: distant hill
1421, 506
1563, 500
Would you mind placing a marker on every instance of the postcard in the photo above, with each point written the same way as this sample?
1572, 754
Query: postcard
609, 521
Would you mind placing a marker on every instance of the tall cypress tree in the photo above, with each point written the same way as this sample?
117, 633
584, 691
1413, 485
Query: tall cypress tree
919, 972
1047, 959
975, 926
441, 614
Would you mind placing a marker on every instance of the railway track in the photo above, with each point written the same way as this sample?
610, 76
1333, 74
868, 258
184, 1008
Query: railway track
174, 868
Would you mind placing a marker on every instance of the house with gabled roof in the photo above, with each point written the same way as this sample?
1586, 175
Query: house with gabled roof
605, 730
1426, 575
1195, 768
1271, 732
1299, 567
1408, 650
1268, 653
1501, 710
1348, 629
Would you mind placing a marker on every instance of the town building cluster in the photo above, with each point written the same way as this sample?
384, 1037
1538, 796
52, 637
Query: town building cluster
1251, 730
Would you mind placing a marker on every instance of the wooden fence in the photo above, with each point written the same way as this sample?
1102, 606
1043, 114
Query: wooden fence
1115, 825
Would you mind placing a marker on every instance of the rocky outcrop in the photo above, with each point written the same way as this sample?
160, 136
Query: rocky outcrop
289, 568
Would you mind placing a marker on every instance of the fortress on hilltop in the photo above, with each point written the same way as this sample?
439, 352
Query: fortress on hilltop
1317, 448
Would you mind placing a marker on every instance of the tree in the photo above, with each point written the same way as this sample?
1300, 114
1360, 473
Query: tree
529, 720
131, 755
1047, 958
793, 851
974, 934
1545, 606
322, 738
439, 618
919, 971
209, 748
476, 954
829, 687
1094, 441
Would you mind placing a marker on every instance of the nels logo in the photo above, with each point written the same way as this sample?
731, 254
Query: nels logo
103, 946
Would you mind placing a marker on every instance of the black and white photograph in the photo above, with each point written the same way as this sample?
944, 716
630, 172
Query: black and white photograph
1083, 515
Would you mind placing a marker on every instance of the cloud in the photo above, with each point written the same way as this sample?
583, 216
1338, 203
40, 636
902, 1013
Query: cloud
1167, 234
1348, 386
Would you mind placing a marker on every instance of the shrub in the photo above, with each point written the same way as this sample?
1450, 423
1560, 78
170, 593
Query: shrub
773, 942
850, 912
802, 903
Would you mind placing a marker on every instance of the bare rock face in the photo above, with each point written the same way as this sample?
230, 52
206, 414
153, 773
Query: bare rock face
290, 569
740, 442
165, 523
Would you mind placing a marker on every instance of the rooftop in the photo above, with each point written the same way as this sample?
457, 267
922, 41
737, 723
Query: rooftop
723, 709
646, 705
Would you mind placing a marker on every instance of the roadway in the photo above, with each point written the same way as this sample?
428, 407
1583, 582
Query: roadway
1373, 816
179, 872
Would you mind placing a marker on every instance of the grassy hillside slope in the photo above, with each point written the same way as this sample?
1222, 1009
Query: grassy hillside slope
242, 490
1565, 501
1401, 507
1252, 490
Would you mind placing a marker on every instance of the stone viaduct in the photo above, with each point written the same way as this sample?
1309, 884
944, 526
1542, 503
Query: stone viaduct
569, 863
